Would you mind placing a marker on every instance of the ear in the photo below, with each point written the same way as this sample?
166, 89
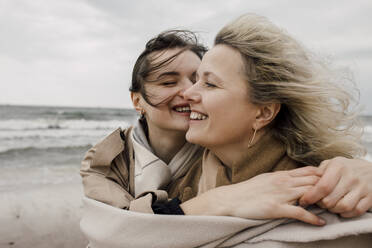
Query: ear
136, 99
266, 114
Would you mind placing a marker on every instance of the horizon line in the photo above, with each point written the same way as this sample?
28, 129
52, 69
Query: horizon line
62, 106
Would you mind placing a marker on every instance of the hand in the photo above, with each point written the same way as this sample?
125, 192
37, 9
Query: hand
267, 196
345, 187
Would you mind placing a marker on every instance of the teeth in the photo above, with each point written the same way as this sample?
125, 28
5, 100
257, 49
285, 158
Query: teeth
183, 109
197, 116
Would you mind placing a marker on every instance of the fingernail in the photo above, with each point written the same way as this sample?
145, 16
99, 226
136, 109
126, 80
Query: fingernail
321, 222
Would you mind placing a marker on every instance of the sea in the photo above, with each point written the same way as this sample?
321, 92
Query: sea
42, 145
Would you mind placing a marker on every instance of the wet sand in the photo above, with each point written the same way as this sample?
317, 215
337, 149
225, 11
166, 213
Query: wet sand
42, 216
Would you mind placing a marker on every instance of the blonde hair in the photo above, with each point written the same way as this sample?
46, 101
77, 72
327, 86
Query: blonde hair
317, 120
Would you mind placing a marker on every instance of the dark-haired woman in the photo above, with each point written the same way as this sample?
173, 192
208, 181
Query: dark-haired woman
155, 150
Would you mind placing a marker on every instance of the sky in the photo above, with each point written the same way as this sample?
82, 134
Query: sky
81, 52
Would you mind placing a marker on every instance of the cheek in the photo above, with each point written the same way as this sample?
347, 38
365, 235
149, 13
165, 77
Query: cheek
232, 121
157, 114
161, 95
226, 112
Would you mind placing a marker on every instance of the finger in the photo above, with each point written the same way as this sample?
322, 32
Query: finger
324, 187
303, 181
324, 164
303, 171
363, 206
348, 202
341, 189
321, 169
297, 192
299, 213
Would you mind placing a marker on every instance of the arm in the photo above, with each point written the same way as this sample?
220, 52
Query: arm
266, 196
345, 187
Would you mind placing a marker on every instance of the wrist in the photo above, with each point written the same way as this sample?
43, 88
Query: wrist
209, 203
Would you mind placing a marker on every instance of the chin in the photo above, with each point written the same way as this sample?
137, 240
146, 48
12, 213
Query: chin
192, 137
184, 125
182, 128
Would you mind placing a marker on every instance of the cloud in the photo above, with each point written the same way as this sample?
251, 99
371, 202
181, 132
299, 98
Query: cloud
79, 52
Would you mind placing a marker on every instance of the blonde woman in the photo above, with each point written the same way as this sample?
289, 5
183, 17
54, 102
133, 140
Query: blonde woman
286, 112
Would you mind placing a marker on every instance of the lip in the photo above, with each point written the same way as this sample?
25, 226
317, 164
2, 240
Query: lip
181, 105
187, 114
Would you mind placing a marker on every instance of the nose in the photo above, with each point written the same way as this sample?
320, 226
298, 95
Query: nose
191, 94
186, 84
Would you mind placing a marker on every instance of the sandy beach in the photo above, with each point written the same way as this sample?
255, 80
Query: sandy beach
42, 216
41, 148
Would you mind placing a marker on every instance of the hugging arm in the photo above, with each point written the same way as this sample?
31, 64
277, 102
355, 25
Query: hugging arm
341, 185
266, 196
345, 187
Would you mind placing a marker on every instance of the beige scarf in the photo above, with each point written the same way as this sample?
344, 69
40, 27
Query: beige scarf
150, 172
267, 155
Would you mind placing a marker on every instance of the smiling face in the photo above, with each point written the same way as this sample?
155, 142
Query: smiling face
222, 113
164, 88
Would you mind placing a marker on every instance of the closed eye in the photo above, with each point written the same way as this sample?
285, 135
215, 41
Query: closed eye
168, 83
209, 85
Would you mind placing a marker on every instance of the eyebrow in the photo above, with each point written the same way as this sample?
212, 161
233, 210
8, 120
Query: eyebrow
208, 73
168, 73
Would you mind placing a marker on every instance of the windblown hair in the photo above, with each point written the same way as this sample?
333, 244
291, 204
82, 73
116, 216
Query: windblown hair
317, 119
146, 65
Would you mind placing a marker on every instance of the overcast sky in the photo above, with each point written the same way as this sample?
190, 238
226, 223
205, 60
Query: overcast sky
81, 52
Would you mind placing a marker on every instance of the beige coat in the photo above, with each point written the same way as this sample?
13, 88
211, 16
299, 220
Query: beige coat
108, 175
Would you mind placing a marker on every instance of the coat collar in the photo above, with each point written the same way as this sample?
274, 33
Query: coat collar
267, 155
110, 147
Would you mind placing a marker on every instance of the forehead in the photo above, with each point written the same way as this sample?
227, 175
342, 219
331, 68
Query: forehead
224, 61
185, 62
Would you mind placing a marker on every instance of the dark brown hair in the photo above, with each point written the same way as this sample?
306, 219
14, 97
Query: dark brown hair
144, 66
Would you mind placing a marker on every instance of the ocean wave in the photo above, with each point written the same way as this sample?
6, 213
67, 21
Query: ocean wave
44, 139
33, 149
367, 135
89, 114
68, 114
368, 129
52, 124
39, 134
61, 139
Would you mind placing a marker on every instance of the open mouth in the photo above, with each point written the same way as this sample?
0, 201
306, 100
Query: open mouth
182, 109
198, 116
